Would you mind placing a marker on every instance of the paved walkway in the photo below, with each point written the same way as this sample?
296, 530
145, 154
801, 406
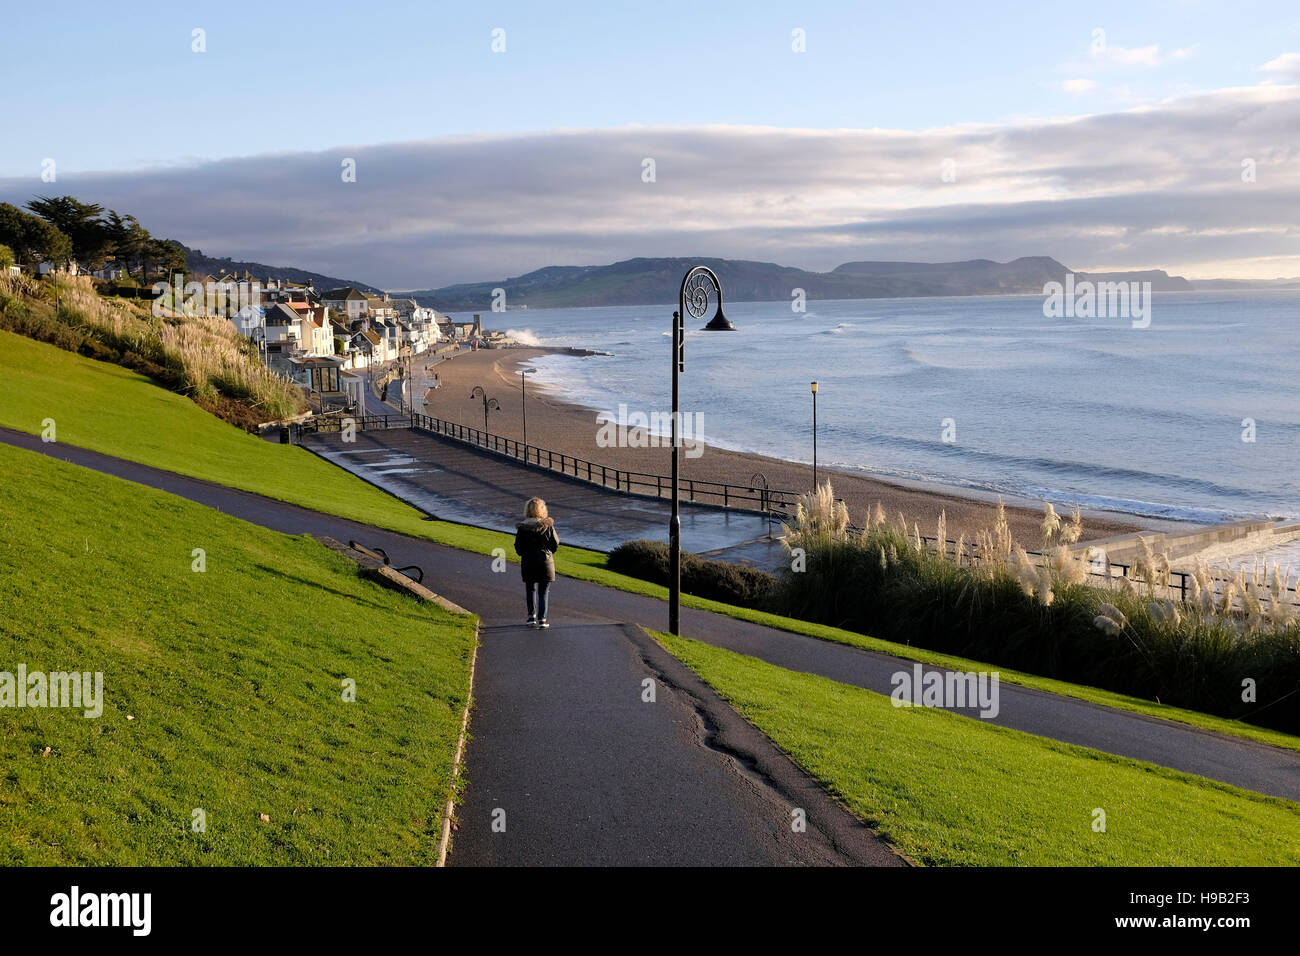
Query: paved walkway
569, 755
456, 482
564, 747
569, 684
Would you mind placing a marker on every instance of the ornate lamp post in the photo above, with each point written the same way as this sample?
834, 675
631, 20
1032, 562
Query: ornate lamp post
814, 395
698, 286
488, 403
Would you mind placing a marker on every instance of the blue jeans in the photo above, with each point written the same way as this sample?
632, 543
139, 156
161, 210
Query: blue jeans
542, 587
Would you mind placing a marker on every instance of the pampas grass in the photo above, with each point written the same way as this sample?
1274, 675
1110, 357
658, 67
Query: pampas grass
819, 517
1047, 614
208, 357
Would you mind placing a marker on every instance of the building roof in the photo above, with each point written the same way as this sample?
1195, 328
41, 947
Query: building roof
345, 294
316, 361
314, 315
281, 313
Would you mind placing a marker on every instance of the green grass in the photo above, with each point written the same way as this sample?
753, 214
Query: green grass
112, 410
952, 791
223, 690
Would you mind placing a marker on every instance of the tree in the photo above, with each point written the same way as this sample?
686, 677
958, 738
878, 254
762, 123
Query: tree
31, 238
166, 255
6, 258
81, 222
129, 240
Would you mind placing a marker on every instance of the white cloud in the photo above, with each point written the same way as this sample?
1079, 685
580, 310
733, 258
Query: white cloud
1285, 68
1103, 56
1079, 85
1162, 182
1129, 56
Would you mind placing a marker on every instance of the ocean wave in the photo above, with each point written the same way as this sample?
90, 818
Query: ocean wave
524, 336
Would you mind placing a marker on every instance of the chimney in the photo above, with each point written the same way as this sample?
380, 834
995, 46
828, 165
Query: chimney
478, 325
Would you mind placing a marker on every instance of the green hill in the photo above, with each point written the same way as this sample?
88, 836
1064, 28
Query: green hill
656, 281
222, 690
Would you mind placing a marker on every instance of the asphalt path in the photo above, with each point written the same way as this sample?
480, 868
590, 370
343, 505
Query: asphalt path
571, 698
590, 745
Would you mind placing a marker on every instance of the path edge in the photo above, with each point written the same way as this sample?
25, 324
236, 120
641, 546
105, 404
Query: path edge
858, 841
458, 763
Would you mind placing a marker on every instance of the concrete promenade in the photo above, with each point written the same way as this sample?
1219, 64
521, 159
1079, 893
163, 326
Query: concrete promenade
456, 482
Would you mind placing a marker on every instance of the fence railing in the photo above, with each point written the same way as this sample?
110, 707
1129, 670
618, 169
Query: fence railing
770, 501
1177, 583
360, 422
775, 502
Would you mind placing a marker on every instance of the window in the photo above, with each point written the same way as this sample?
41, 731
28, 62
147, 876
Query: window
327, 379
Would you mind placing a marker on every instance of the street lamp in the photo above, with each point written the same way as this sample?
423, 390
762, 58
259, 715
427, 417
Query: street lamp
699, 284
488, 403
814, 394
523, 405
759, 481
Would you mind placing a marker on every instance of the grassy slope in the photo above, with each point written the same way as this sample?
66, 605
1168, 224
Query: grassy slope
111, 410
234, 680
949, 790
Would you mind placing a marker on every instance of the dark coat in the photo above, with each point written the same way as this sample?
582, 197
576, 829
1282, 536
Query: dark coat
535, 542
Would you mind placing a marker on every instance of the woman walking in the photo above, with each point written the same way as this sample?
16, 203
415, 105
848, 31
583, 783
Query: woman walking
535, 542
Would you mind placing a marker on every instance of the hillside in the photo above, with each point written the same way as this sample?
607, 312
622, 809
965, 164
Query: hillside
196, 261
221, 690
655, 281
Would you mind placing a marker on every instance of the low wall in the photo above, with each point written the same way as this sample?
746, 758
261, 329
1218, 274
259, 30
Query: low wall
1209, 543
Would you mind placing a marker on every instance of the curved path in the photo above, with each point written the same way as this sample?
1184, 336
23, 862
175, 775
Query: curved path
535, 687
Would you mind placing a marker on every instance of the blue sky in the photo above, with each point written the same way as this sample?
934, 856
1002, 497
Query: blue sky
475, 164
289, 76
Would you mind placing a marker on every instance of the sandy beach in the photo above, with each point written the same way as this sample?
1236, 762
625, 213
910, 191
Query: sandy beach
564, 427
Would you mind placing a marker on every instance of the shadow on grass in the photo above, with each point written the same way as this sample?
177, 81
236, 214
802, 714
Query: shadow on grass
356, 599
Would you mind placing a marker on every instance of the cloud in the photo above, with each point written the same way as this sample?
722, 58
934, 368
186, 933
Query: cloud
1129, 56
1103, 55
1283, 69
1079, 85
1151, 187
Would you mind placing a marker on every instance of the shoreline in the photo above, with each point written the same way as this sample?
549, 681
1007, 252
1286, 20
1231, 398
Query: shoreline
560, 425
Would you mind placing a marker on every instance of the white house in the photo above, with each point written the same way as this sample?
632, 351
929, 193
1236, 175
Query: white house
249, 320
317, 332
366, 347
45, 268
347, 302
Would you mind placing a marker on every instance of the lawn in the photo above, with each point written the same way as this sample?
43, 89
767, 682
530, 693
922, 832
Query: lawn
952, 791
109, 409
223, 690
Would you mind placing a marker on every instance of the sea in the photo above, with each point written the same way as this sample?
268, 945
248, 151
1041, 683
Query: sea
1193, 418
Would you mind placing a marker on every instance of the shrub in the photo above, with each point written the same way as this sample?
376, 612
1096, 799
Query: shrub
724, 581
993, 602
203, 357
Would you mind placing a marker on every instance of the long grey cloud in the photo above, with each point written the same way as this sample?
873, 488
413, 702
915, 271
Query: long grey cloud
1151, 187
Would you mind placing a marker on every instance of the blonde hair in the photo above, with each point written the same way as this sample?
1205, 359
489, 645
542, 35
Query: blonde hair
536, 508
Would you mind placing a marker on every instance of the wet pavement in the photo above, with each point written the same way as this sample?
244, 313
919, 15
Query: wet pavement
455, 482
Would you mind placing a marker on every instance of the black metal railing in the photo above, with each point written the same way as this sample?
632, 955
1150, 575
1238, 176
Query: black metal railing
359, 422
742, 497
1175, 581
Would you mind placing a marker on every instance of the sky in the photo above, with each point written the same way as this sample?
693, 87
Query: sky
492, 139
